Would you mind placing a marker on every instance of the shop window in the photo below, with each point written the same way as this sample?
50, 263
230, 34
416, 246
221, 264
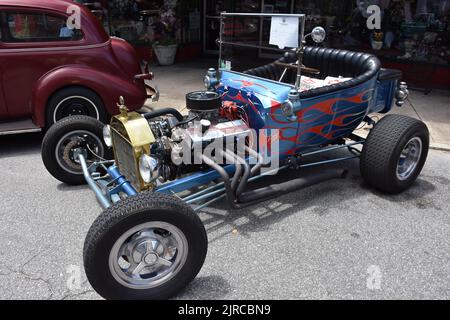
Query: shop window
410, 31
39, 27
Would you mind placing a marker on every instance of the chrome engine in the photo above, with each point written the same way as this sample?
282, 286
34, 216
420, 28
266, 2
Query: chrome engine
153, 148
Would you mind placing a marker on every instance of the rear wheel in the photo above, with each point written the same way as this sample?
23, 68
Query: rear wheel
146, 247
75, 101
394, 153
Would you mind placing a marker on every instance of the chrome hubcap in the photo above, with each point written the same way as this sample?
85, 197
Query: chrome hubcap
148, 255
409, 158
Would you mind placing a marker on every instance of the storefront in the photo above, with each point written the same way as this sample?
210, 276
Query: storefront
134, 21
414, 35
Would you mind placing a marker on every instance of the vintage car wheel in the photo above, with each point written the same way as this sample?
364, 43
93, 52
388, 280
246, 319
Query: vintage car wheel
63, 138
145, 247
75, 101
394, 153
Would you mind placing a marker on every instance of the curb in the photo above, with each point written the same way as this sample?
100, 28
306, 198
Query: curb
440, 147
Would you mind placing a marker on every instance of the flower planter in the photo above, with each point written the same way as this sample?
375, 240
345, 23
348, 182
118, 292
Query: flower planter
166, 54
377, 45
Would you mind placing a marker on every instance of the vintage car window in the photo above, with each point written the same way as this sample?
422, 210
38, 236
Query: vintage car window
39, 27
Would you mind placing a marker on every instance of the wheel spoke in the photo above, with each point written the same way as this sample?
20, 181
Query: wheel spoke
153, 246
164, 262
138, 268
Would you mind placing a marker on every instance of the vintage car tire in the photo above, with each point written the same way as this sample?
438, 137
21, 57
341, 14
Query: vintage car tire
394, 153
203, 100
75, 101
64, 128
115, 224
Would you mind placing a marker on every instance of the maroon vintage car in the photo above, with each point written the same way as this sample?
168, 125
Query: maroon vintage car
50, 70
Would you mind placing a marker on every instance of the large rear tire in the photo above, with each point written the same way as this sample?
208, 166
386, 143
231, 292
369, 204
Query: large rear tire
145, 247
394, 153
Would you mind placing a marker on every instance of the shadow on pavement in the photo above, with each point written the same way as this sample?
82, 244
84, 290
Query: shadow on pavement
20, 144
322, 198
208, 287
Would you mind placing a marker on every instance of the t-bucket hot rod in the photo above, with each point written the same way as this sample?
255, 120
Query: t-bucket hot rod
149, 243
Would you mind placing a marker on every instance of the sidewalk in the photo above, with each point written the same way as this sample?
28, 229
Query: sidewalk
434, 109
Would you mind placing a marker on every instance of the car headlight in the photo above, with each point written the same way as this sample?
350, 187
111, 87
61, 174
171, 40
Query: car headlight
107, 136
147, 168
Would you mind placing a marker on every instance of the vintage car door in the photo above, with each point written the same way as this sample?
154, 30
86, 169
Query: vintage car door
33, 40
3, 109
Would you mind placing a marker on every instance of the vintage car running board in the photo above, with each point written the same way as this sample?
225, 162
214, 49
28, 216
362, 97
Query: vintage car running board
22, 126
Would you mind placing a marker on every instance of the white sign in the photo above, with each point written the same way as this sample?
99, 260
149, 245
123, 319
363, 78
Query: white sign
284, 32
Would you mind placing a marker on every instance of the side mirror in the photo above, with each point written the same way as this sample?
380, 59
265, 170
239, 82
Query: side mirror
318, 34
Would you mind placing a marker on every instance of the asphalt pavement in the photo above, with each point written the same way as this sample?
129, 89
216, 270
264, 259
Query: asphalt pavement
336, 240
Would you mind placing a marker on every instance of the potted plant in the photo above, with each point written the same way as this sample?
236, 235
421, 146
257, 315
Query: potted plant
377, 40
165, 30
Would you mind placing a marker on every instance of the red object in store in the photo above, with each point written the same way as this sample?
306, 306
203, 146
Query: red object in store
50, 71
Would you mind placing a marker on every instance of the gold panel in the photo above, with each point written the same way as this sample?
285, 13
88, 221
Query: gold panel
131, 138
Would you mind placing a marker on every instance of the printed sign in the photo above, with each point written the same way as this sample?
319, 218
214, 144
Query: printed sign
284, 32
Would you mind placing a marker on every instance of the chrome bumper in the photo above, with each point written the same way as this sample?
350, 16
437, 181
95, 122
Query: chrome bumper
152, 92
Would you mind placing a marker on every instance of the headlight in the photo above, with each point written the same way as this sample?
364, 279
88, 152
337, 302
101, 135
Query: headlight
147, 168
107, 135
287, 108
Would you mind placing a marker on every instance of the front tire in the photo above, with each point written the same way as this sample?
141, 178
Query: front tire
61, 141
394, 153
145, 247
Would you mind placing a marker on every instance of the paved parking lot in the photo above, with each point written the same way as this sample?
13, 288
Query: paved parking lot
336, 240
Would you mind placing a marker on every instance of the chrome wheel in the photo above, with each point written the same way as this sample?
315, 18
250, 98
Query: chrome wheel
66, 146
148, 255
409, 158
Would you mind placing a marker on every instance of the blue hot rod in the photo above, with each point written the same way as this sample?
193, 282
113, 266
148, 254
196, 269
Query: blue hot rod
149, 243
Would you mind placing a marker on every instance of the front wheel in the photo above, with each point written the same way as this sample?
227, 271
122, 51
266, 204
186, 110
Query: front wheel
67, 137
394, 153
145, 247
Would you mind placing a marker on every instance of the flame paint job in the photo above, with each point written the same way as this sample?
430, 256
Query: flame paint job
320, 120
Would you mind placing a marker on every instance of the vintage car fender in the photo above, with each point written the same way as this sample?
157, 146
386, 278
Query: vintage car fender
108, 86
